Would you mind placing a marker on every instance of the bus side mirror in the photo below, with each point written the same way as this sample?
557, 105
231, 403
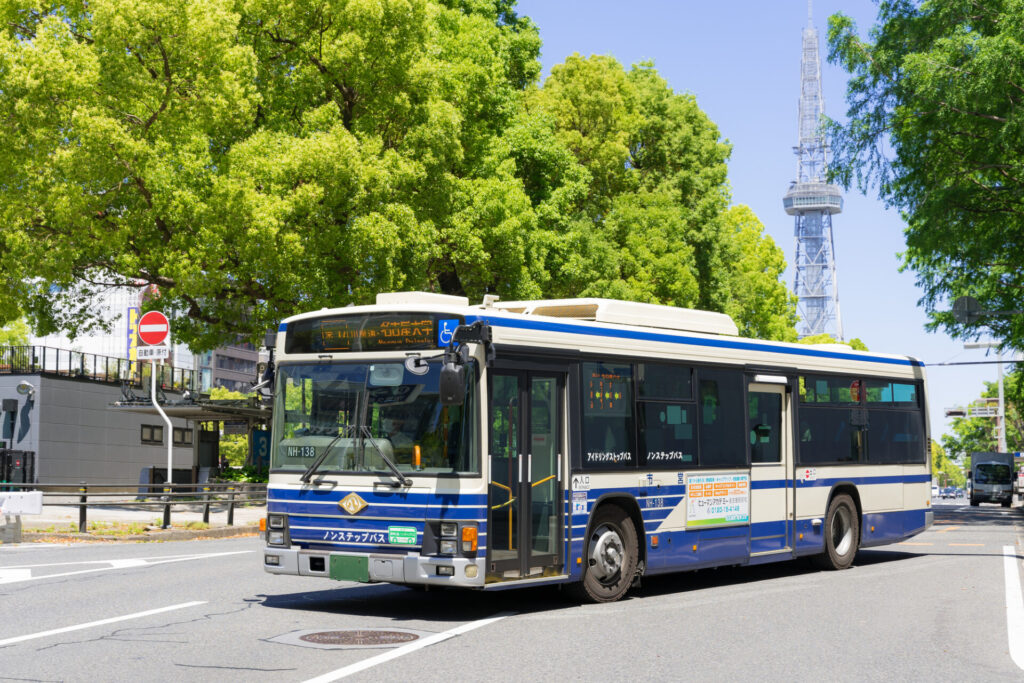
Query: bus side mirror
452, 385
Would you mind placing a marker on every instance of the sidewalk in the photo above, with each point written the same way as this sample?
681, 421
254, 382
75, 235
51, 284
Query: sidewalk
59, 523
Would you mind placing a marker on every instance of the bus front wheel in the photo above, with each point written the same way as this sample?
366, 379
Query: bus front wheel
842, 531
611, 557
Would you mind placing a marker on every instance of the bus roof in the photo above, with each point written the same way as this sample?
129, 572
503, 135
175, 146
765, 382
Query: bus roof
607, 320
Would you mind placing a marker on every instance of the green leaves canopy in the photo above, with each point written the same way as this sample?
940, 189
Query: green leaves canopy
254, 159
935, 122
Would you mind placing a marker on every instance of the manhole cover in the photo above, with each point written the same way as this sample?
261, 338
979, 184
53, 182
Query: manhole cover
359, 637
350, 638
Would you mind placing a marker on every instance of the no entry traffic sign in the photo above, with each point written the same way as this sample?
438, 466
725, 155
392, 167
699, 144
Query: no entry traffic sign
153, 328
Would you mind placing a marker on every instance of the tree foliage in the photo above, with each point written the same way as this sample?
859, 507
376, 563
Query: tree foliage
15, 333
825, 338
935, 125
255, 159
944, 469
980, 434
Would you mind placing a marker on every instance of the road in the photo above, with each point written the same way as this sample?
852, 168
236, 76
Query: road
933, 608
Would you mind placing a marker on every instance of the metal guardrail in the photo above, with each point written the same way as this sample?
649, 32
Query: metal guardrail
30, 360
232, 493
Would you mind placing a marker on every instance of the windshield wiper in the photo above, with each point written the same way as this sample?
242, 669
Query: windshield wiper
346, 430
404, 480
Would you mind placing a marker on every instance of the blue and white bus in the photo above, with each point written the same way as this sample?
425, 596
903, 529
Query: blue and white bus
586, 442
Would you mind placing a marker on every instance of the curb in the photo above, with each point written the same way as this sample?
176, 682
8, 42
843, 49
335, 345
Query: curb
155, 536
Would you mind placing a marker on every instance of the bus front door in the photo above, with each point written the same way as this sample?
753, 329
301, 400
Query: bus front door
771, 468
524, 531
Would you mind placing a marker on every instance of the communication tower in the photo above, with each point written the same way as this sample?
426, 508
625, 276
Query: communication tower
813, 201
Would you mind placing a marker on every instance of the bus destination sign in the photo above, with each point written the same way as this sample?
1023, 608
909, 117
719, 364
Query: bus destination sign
374, 332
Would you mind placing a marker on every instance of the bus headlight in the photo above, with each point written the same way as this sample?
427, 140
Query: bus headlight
449, 529
275, 521
275, 538
448, 547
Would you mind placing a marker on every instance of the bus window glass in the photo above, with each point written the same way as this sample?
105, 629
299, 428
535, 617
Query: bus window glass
885, 391
829, 435
361, 413
669, 439
608, 426
721, 423
818, 389
669, 382
895, 436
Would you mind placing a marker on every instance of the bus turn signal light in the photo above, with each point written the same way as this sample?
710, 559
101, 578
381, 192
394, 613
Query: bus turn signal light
263, 524
469, 539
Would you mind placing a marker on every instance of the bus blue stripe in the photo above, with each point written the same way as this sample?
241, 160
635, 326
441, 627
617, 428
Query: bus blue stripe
638, 335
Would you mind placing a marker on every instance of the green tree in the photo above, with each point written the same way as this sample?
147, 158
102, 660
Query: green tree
15, 333
652, 222
934, 124
251, 159
855, 343
234, 448
945, 469
980, 434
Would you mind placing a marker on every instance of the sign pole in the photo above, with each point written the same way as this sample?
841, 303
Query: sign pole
170, 431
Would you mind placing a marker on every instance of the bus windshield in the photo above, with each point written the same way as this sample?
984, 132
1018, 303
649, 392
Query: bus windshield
992, 474
366, 414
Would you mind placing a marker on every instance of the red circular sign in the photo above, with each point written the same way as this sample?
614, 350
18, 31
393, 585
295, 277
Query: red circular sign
154, 328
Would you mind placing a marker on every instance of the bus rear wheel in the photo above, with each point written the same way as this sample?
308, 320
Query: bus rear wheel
611, 557
842, 531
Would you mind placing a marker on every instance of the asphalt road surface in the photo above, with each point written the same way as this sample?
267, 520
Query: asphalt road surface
945, 605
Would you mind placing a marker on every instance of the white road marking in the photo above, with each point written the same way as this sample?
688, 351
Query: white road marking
12, 575
1014, 606
406, 649
8, 575
101, 622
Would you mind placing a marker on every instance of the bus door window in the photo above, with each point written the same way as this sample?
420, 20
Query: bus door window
504, 453
765, 413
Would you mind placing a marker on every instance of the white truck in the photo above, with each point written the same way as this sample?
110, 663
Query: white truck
992, 478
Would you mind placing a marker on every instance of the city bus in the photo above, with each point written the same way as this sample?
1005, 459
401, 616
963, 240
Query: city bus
425, 441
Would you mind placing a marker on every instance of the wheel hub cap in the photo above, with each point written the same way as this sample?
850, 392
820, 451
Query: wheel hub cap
606, 551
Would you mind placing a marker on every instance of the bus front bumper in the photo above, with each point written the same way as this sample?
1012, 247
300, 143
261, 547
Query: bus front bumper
369, 568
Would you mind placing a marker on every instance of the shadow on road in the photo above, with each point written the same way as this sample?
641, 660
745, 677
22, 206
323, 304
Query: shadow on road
410, 604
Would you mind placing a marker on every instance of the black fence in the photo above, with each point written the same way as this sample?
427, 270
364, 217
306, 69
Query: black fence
224, 495
45, 360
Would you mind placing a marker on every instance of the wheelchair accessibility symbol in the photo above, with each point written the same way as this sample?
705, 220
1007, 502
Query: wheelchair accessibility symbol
445, 331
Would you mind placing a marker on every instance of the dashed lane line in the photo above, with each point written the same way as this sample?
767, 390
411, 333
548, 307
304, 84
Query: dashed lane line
101, 622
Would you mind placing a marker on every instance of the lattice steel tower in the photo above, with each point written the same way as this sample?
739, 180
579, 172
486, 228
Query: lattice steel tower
814, 201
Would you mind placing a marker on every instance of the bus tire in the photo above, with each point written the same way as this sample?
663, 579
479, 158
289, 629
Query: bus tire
974, 502
842, 531
610, 558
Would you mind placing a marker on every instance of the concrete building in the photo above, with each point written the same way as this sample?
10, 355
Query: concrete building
63, 416
232, 367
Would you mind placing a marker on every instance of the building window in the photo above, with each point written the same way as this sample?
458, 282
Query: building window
152, 434
182, 436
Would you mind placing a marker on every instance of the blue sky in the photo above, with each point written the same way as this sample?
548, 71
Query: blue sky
742, 62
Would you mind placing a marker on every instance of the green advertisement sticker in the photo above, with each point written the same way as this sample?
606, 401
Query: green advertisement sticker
402, 535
